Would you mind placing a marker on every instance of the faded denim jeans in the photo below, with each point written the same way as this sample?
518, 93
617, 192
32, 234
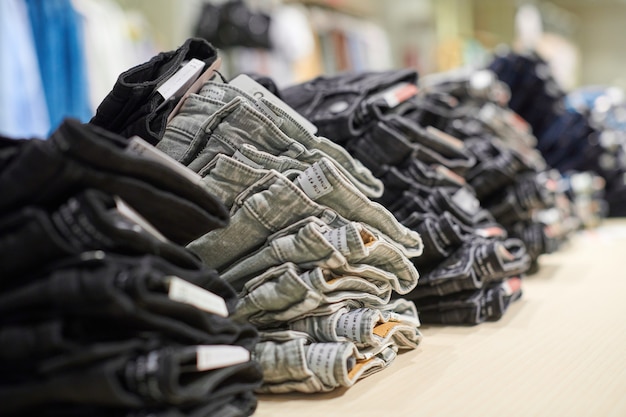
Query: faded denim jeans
293, 362
286, 293
349, 250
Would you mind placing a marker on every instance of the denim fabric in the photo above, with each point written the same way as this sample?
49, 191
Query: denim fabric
133, 107
33, 236
136, 379
472, 266
285, 293
272, 204
276, 202
130, 292
471, 307
293, 362
350, 250
82, 156
338, 105
205, 127
370, 329
354, 169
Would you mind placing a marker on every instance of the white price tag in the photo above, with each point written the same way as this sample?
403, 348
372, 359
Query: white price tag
177, 84
238, 156
130, 213
188, 293
220, 356
314, 183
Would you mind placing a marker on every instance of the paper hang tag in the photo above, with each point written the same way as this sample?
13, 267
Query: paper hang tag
338, 239
314, 183
256, 90
195, 87
138, 146
395, 94
466, 201
445, 137
132, 215
177, 84
188, 293
220, 356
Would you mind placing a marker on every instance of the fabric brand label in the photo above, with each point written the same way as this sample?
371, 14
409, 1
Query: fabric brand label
338, 238
188, 293
130, 213
314, 183
220, 356
445, 137
322, 359
349, 324
396, 94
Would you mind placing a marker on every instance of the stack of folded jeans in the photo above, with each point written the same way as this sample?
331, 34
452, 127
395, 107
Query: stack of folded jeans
511, 178
104, 312
568, 139
314, 260
470, 270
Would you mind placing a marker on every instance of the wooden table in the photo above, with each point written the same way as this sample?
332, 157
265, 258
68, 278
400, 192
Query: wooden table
559, 351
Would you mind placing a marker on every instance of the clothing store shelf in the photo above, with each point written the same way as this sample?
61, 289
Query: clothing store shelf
558, 351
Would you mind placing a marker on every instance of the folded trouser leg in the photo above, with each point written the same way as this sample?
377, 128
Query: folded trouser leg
136, 379
137, 292
471, 307
351, 250
286, 293
133, 107
292, 362
90, 220
48, 172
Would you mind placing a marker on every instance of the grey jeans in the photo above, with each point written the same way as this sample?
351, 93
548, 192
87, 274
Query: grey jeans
352, 250
293, 362
286, 293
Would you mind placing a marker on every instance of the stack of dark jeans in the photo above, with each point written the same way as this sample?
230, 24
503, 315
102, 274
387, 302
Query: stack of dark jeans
104, 312
314, 260
568, 139
511, 178
470, 269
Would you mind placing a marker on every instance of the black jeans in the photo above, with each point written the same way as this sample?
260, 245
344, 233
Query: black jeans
81, 156
138, 378
34, 236
133, 107
471, 307
130, 293
341, 105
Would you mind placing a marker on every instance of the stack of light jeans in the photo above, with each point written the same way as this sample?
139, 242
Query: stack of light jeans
104, 311
470, 270
314, 260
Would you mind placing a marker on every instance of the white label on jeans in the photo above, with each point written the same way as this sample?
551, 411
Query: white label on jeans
238, 156
445, 137
182, 79
322, 359
349, 324
256, 90
139, 146
397, 94
130, 213
188, 293
466, 201
314, 183
220, 356
338, 238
